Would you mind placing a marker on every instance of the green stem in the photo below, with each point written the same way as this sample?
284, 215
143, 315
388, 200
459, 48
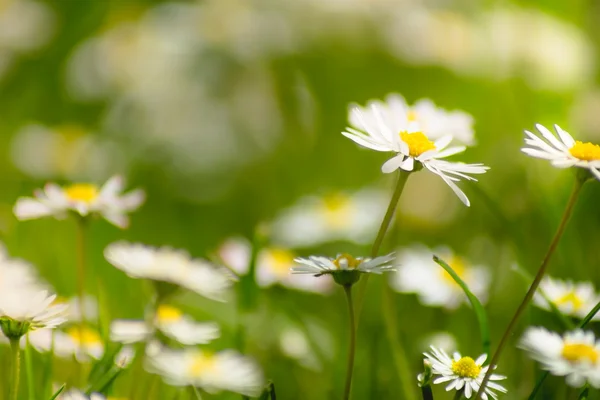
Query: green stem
385, 223
534, 285
29, 370
15, 351
584, 393
352, 345
81, 252
458, 395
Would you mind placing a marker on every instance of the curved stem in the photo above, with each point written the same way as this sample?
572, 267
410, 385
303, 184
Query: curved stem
16, 368
534, 285
352, 345
385, 223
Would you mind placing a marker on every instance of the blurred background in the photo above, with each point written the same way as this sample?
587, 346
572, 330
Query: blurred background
229, 112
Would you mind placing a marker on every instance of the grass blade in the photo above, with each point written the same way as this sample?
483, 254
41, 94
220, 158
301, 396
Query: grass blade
59, 391
477, 307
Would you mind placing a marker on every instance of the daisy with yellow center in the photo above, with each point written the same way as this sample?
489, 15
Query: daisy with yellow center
394, 127
337, 215
223, 371
83, 199
575, 355
562, 151
418, 273
462, 373
572, 299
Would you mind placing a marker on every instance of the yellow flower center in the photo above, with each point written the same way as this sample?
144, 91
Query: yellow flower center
572, 298
166, 313
279, 260
337, 210
466, 368
585, 151
82, 192
417, 143
352, 262
202, 363
84, 336
578, 352
459, 266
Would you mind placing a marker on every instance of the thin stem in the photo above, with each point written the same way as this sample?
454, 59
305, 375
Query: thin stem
29, 369
385, 223
534, 285
16, 368
352, 345
81, 266
458, 395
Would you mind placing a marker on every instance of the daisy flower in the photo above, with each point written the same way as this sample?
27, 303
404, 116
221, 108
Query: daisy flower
171, 322
336, 216
463, 373
345, 269
273, 266
418, 273
23, 310
564, 151
83, 199
225, 370
382, 130
82, 342
573, 299
435, 120
574, 355
172, 266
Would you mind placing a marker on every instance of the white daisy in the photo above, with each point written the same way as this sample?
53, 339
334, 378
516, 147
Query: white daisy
575, 355
313, 220
170, 265
24, 309
171, 322
463, 373
225, 370
563, 153
418, 273
82, 342
381, 130
318, 265
273, 266
84, 199
436, 121
574, 299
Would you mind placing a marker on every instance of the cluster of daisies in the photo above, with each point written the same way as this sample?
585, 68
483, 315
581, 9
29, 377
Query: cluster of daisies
171, 341
173, 344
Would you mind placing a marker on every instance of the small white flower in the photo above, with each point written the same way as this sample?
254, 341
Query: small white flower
82, 342
384, 131
435, 120
573, 299
171, 322
318, 265
563, 153
84, 199
418, 273
313, 220
170, 265
463, 373
574, 355
273, 266
124, 357
22, 310
225, 370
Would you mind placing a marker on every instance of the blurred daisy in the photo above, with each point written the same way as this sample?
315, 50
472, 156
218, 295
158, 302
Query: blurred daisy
381, 130
170, 265
563, 153
23, 310
80, 341
463, 373
171, 322
272, 266
124, 357
345, 269
339, 216
84, 199
225, 370
574, 355
436, 121
418, 273
574, 299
